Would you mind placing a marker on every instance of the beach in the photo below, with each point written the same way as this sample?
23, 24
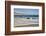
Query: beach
24, 21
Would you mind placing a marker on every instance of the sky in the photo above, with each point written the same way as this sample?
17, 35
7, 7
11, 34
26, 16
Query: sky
27, 11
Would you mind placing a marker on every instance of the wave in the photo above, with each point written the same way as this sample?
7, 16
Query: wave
26, 15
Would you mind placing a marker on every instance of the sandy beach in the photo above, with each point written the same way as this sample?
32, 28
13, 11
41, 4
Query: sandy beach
24, 21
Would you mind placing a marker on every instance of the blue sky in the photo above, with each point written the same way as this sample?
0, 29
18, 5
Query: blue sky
27, 11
